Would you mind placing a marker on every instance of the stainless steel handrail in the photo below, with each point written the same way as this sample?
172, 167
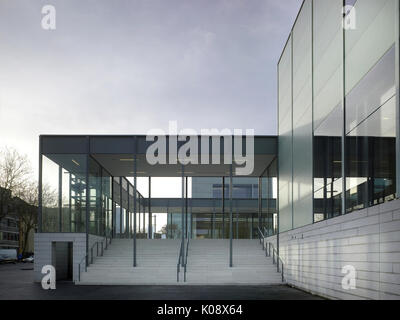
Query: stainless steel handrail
86, 257
79, 267
186, 258
276, 259
261, 237
267, 247
178, 266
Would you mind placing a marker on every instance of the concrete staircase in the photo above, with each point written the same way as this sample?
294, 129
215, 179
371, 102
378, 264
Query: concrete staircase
208, 264
156, 264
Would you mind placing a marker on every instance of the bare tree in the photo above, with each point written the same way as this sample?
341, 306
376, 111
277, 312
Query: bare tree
15, 172
27, 213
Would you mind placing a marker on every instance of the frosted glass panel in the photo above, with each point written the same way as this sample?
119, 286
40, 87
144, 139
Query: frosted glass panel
373, 36
375, 89
285, 139
328, 57
302, 118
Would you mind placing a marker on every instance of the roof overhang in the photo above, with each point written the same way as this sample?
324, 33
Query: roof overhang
117, 153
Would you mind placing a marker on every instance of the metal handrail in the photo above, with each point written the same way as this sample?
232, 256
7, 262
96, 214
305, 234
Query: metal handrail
267, 248
178, 266
261, 237
86, 257
276, 259
266, 232
186, 258
79, 267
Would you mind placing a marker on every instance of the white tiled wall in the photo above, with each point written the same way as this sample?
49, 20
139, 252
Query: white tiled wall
367, 239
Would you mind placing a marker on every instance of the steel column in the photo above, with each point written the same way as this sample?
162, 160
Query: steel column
134, 208
186, 208
230, 217
120, 207
60, 198
150, 229
223, 208
40, 187
87, 200
260, 202
183, 213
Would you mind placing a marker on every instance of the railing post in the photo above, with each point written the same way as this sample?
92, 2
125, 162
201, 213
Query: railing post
91, 258
79, 273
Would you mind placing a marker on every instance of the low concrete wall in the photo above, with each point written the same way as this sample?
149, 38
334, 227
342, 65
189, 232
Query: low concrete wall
45, 255
367, 239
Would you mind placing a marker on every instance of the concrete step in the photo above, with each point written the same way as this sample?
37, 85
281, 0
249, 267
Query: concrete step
157, 259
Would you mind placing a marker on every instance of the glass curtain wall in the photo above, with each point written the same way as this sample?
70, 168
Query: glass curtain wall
370, 76
328, 108
209, 221
302, 117
64, 190
63, 193
269, 219
285, 145
337, 104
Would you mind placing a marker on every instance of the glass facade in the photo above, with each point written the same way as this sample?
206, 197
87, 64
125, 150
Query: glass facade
64, 193
337, 110
64, 189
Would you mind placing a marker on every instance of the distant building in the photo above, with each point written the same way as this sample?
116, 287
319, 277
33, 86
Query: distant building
11, 227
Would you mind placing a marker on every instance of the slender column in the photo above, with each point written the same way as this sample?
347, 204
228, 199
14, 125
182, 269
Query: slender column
102, 225
120, 207
128, 215
183, 212
144, 220
213, 222
40, 222
252, 226
134, 209
59, 199
87, 201
223, 208
150, 231
186, 208
191, 223
260, 202
70, 203
230, 218
112, 209
266, 223
237, 223
139, 210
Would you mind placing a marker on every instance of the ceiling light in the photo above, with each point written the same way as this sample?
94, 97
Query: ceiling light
76, 162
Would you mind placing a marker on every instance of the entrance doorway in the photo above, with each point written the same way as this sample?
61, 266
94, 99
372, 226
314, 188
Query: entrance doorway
63, 260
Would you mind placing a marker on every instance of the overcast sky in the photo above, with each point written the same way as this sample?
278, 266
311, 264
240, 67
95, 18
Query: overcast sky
124, 67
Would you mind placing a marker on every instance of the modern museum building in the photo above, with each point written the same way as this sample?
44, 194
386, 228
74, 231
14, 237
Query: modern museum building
319, 210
